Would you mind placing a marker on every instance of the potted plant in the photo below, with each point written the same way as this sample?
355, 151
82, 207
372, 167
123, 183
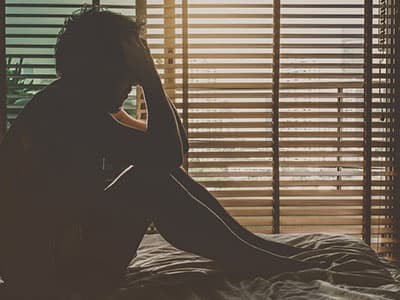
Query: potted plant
19, 89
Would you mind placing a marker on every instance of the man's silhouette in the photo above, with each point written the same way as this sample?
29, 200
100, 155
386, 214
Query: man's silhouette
62, 228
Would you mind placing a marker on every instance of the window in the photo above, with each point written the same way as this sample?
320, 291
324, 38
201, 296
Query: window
218, 59
291, 123
31, 32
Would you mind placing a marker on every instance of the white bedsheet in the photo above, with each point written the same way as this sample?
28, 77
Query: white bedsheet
161, 271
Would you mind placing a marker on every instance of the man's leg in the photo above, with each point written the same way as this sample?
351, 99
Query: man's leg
189, 224
201, 193
115, 230
89, 258
182, 215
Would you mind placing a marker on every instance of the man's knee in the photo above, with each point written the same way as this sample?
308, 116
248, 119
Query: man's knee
140, 177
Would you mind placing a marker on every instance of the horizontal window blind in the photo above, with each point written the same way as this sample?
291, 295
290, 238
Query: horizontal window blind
217, 60
324, 47
31, 33
384, 237
3, 80
321, 116
217, 66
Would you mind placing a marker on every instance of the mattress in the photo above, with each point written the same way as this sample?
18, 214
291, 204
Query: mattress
161, 271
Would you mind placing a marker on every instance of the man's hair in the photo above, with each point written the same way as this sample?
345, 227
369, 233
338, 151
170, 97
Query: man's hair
89, 46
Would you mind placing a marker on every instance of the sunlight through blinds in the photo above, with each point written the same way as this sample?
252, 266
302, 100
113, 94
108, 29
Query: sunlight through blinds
228, 98
221, 53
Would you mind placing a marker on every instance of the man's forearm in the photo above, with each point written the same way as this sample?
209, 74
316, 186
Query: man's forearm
124, 118
182, 130
162, 126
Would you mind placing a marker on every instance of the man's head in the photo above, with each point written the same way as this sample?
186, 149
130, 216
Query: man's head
89, 49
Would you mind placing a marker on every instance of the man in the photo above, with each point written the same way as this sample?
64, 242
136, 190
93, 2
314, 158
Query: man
63, 229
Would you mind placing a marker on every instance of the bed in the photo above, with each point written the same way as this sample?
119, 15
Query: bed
161, 271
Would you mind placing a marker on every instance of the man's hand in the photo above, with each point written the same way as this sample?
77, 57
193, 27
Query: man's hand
162, 128
140, 63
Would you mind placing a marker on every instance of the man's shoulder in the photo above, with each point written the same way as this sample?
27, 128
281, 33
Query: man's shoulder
52, 93
49, 104
45, 112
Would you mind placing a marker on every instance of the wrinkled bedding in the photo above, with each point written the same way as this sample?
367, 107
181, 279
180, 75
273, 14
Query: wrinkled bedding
161, 271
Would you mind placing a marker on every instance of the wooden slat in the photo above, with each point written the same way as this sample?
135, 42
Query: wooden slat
284, 154
284, 173
214, 93
337, 229
304, 203
263, 16
307, 65
283, 105
283, 124
289, 183
268, 75
283, 134
42, 5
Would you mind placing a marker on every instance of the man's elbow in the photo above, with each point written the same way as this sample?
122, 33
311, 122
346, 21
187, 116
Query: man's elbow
173, 160
185, 146
174, 156
167, 155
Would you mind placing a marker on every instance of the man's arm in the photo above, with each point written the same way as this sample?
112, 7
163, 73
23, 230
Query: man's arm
182, 131
162, 127
162, 137
126, 119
